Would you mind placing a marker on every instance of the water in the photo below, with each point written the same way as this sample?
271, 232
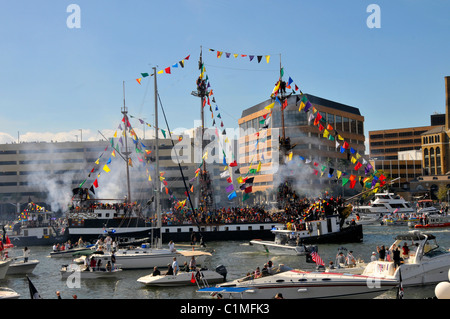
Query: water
237, 256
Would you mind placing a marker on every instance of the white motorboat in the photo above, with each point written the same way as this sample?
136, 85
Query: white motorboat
107, 269
364, 219
19, 267
4, 266
426, 262
8, 293
145, 257
275, 246
385, 203
426, 206
202, 277
297, 284
70, 252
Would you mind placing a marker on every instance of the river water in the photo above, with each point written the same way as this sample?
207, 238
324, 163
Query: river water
237, 256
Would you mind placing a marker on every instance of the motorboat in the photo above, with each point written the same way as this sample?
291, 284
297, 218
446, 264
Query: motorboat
276, 245
69, 252
400, 220
425, 262
385, 203
426, 206
4, 266
203, 277
364, 219
107, 268
19, 267
145, 257
433, 221
8, 293
298, 284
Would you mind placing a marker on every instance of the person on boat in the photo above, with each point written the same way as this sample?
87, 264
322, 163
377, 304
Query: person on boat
26, 254
175, 266
108, 266
405, 250
257, 273
169, 270
340, 259
99, 263
270, 267
172, 246
396, 257
374, 256
381, 253
351, 261
265, 271
192, 264
92, 263
156, 271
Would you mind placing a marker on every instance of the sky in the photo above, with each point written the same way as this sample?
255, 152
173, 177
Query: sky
65, 83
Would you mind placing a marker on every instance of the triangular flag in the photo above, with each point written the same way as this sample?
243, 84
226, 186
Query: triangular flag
139, 80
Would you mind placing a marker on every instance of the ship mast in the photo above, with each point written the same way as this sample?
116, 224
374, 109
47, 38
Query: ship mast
205, 196
158, 180
126, 152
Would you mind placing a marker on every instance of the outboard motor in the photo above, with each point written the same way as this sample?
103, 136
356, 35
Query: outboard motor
221, 270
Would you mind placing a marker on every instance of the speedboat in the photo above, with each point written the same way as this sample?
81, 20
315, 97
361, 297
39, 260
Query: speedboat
69, 252
298, 284
94, 272
4, 266
146, 257
19, 267
8, 293
277, 245
426, 206
426, 262
199, 277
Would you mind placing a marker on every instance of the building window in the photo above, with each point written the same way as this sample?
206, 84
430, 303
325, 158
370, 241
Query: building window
426, 162
438, 161
432, 163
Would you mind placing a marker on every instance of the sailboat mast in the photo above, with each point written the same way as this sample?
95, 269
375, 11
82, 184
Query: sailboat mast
158, 181
283, 130
126, 153
202, 99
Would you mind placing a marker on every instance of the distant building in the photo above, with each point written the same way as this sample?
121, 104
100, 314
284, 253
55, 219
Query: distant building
259, 144
46, 173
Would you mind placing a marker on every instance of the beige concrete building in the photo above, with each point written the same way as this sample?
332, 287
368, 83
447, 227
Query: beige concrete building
259, 144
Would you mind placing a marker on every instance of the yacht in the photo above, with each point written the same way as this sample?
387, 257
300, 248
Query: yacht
385, 203
426, 262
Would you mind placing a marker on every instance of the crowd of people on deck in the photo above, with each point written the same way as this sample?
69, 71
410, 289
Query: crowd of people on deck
292, 208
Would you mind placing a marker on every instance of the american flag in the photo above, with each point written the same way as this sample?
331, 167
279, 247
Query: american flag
315, 257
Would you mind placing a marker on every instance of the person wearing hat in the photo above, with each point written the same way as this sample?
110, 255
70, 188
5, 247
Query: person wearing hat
374, 256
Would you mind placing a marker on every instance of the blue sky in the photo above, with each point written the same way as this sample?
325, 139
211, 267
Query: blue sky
55, 81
